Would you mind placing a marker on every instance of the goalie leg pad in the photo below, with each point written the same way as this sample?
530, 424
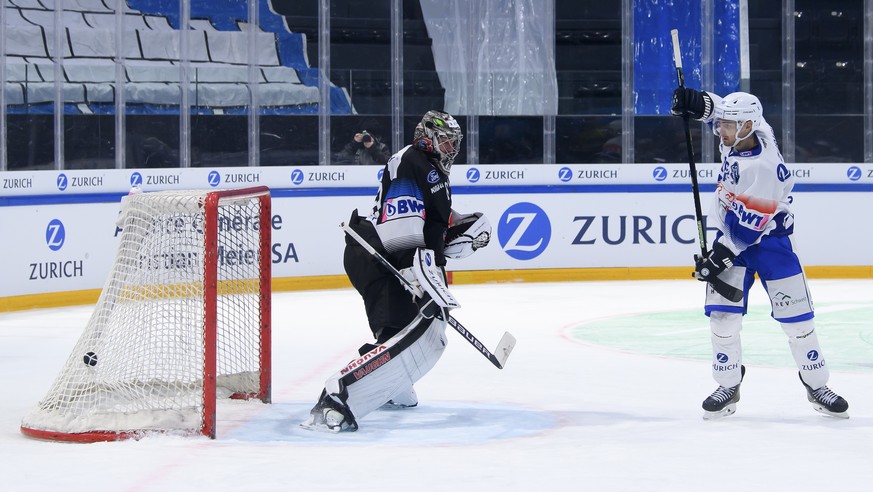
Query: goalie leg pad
431, 278
389, 370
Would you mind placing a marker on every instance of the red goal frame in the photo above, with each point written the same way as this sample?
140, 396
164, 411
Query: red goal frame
210, 336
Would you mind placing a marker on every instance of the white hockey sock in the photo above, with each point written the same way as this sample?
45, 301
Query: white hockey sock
807, 352
727, 351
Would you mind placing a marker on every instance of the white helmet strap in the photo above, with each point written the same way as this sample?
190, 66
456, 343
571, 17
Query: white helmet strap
740, 125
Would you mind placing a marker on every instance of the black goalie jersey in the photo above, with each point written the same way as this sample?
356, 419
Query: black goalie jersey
413, 207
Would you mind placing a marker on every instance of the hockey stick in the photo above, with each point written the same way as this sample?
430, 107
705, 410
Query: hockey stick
497, 357
725, 289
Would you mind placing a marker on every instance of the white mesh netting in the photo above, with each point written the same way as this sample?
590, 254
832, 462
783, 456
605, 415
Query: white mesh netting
139, 364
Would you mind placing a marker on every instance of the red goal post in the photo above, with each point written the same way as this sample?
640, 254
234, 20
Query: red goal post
183, 319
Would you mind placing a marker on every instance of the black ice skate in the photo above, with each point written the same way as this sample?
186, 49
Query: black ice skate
826, 401
407, 399
329, 415
723, 401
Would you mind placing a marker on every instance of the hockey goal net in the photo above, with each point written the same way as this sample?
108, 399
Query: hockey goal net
183, 319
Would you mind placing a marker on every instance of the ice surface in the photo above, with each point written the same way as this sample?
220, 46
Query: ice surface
602, 392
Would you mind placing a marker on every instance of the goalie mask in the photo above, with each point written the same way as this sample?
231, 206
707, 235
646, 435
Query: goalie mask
739, 107
439, 135
467, 234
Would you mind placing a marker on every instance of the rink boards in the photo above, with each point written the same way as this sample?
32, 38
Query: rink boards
600, 220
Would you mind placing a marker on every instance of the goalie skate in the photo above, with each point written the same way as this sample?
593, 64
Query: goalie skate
826, 401
723, 401
407, 399
328, 415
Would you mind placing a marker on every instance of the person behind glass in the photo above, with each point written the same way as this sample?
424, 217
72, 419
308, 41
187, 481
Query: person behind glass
751, 208
365, 149
412, 225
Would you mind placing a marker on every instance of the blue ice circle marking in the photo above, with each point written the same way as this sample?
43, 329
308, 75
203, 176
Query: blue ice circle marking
853, 173
55, 235
565, 174
436, 424
473, 175
524, 231
659, 173
296, 176
214, 178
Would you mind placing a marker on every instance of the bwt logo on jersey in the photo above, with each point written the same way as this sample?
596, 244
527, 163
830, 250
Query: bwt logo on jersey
214, 178
749, 218
55, 235
473, 175
854, 173
402, 206
565, 174
65, 182
659, 173
297, 176
524, 231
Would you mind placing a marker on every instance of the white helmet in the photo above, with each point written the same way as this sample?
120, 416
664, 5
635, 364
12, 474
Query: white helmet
740, 107
436, 131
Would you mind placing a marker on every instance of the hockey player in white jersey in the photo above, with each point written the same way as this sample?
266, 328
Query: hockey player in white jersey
752, 210
413, 226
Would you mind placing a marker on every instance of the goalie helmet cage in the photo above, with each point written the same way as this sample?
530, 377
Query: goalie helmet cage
184, 318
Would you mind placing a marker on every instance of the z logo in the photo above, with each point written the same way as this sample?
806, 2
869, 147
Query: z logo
524, 231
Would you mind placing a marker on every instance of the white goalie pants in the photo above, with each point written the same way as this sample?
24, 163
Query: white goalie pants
388, 371
727, 350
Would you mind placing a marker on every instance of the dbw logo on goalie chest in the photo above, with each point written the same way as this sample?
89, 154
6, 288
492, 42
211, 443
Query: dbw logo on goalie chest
524, 231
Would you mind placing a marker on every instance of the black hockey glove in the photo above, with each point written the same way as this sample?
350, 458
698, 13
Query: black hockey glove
717, 260
696, 104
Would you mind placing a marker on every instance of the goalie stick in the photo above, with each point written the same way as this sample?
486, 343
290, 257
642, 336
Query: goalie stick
725, 289
507, 342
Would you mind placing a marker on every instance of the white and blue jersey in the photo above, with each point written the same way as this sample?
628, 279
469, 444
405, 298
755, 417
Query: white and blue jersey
751, 208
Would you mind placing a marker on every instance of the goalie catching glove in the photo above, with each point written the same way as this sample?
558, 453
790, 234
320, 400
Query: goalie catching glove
467, 234
717, 260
